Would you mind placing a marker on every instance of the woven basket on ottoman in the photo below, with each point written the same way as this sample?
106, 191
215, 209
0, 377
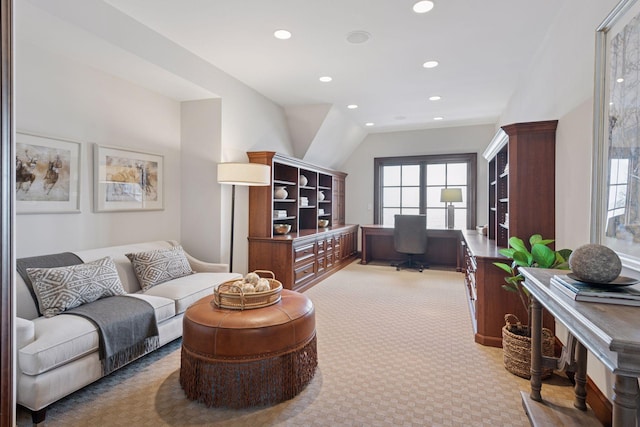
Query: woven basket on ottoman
242, 358
517, 348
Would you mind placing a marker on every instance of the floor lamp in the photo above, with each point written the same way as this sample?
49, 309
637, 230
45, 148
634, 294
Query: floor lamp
450, 195
247, 174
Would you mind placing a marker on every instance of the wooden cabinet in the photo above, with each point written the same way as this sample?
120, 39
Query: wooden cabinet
488, 302
522, 181
521, 203
309, 252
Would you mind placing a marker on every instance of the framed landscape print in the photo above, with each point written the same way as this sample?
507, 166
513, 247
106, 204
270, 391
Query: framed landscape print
616, 184
47, 174
127, 180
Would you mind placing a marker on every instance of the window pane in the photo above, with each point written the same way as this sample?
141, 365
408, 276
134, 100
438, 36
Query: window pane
621, 196
460, 219
436, 174
456, 174
388, 216
391, 197
436, 218
411, 175
410, 211
623, 171
391, 175
410, 197
433, 197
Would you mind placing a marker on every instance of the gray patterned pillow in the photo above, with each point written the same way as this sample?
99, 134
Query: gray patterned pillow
159, 266
62, 288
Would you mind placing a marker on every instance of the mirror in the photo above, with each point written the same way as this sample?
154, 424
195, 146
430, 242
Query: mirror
616, 198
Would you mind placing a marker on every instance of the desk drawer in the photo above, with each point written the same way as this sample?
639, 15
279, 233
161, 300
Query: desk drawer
304, 252
304, 272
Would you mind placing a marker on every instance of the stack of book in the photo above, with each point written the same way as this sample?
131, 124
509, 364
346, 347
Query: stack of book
280, 214
304, 201
601, 293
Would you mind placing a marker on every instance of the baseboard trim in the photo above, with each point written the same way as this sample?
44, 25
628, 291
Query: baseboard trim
602, 407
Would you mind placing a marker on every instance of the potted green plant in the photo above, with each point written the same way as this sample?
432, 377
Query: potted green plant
516, 337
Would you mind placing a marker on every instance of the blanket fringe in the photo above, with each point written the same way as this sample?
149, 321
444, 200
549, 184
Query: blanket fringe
130, 354
244, 384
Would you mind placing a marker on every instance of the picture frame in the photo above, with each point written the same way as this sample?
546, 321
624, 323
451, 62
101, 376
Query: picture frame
616, 134
47, 174
127, 180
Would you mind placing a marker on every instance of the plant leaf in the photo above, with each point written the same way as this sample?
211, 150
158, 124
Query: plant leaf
522, 259
517, 244
504, 266
535, 238
543, 255
508, 252
565, 253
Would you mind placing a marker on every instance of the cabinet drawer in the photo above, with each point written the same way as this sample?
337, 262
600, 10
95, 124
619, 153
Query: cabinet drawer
304, 252
304, 272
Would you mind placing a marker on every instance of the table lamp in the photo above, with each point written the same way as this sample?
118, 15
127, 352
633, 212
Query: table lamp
450, 195
247, 174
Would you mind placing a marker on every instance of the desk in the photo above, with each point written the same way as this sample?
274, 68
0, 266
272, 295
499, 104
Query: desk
443, 246
610, 332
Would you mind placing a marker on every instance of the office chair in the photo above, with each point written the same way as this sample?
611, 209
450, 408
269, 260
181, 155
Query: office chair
410, 238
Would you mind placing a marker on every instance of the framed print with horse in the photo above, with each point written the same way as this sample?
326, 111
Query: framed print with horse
47, 174
127, 180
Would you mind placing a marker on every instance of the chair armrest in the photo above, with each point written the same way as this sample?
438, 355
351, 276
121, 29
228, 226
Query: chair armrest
25, 332
206, 267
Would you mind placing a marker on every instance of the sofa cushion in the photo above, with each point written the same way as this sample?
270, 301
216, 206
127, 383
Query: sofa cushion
61, 288
164, 308
67, 337
159, 266
59, 340
187, 290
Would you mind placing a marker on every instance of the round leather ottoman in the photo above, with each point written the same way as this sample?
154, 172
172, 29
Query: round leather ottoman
243, 358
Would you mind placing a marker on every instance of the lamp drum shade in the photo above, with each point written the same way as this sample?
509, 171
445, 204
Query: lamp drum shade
249, 174
451, 195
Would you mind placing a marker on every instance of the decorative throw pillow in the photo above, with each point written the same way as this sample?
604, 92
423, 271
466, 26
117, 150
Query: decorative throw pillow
159, 266
62, 288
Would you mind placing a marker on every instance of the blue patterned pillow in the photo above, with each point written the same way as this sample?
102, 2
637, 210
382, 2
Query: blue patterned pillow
159, 266
61, 288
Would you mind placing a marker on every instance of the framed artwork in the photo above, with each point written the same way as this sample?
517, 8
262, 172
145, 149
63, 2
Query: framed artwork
616, 182
127, 180
47, 174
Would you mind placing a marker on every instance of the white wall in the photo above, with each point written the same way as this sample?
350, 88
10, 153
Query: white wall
359, 166
58, 97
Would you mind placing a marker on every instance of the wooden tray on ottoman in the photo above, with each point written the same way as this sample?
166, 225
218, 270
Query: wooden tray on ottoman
224, 297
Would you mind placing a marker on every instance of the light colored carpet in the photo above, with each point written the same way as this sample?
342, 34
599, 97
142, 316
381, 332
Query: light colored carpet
394, 349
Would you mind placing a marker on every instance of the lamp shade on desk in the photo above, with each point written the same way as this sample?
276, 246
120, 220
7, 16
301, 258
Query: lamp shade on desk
451, 195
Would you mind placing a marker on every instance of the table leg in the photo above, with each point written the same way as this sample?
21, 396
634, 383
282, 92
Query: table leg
625, 395
536, 350
365, 250
580, 390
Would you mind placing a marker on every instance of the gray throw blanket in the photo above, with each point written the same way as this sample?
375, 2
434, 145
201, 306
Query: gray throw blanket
62, 259
127, 328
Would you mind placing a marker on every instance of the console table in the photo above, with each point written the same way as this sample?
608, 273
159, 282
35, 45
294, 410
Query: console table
610, 332
443, 246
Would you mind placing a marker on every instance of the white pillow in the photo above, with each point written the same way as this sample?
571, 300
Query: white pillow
159, 266
61, 288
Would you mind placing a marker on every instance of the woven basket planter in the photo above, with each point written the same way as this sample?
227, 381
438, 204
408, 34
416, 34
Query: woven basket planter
517, 348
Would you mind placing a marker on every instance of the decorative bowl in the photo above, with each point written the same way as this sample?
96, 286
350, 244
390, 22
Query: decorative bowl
281, 228
323, 223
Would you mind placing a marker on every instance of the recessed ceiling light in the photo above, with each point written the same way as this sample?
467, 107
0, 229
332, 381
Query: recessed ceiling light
352, 106
620, 80
358, 36
438, 118
282, 34
369, 124
430, 64
423, 6
434, 98
325, 79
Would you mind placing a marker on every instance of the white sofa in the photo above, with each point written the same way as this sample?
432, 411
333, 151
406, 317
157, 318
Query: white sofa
59, 355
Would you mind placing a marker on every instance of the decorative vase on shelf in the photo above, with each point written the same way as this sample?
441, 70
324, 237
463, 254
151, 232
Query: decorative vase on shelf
303, 180
320, 196
280, 192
